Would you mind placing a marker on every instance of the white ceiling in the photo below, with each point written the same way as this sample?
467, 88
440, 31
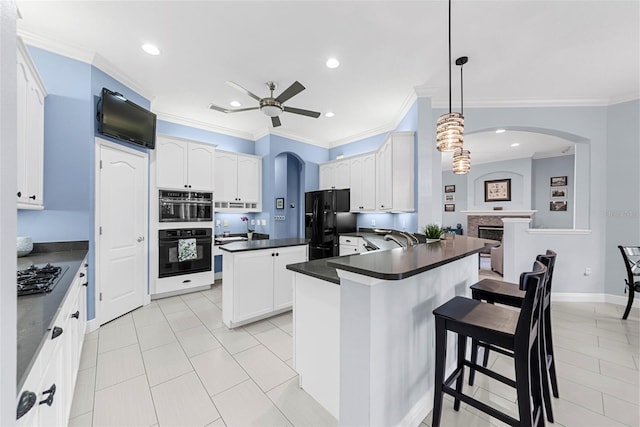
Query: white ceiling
522, 53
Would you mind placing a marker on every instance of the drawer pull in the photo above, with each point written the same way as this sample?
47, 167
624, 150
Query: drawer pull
27, 400
51, 392
186, 281
57, 331
76, 315
86, 284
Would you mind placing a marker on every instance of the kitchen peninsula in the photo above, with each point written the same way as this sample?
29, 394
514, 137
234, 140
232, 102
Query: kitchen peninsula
364, 347
255, 282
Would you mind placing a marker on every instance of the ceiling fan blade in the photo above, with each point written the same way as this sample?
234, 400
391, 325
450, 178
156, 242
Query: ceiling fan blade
275, 121
243, 90
225, 110
290, 92
309, 113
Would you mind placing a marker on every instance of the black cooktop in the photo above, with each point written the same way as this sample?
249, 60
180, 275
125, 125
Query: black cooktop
39, 279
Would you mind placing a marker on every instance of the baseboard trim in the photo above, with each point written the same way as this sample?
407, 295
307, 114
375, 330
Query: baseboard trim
92, 325
590, 297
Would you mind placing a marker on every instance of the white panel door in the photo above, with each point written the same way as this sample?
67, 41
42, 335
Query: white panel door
122, 204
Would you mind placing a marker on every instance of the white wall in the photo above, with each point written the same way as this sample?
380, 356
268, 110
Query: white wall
8, 264
517, 170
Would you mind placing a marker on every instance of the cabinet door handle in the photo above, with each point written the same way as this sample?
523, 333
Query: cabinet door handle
85, 284
27, 400
272, 254
19, 194
277, 253
81, 274
76, 315
51, 392
32, 197
57, 331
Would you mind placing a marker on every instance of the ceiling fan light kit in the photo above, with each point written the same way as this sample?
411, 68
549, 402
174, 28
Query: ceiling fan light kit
270, 106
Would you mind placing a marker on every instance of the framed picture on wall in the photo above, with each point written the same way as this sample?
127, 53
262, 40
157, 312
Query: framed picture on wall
558, 181
559, 193
449, 188
280, 203
497, 190
558, 206
449, 208
449, 197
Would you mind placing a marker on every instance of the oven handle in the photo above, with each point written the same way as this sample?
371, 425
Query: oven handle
176, 239
182, 201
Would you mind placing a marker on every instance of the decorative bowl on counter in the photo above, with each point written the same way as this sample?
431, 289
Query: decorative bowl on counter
24, 245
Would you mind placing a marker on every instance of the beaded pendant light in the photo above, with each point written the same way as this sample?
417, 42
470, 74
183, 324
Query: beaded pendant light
450, 126
461, 157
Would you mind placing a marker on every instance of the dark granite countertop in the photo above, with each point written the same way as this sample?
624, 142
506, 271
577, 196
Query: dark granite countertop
317, 268
36, 312
255, 245
398, 264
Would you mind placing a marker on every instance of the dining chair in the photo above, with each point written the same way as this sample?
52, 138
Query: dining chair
631, 257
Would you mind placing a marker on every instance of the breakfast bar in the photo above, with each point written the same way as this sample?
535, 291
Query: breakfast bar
364, 347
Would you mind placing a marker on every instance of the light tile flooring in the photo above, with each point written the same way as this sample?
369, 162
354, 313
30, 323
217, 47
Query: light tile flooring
173, 362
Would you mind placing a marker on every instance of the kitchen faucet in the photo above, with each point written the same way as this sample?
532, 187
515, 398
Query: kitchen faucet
391, 237
411, 239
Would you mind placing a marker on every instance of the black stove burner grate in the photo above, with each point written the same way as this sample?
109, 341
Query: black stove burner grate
39, 280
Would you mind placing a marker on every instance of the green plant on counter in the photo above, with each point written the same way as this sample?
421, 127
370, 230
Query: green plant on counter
433, 231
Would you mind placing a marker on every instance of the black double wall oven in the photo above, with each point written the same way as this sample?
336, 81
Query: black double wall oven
185, 249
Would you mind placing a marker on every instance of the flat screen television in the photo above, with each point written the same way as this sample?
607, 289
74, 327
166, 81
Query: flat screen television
122, 119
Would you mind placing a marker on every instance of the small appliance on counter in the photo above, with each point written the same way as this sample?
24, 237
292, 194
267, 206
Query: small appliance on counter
326, 217
24, 245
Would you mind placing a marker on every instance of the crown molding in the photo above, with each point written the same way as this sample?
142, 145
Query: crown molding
107, 67
542, 103
289, 135
54, 45
172, 118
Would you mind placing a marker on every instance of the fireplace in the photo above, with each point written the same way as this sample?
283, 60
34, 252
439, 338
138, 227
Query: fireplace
490, 232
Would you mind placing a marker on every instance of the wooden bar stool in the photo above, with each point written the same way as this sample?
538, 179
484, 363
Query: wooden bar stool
500, 292
502, 327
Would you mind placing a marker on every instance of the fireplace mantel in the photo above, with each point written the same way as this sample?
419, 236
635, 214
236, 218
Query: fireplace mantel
509, 212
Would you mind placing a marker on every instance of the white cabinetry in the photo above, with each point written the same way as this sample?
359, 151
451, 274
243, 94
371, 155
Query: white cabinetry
350, 245
54, 372
335, 175
395, 173
256, 283
363, 184
238, 182
30, 132
181, 164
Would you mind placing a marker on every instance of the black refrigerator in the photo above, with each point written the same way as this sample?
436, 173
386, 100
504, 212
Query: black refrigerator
326, 216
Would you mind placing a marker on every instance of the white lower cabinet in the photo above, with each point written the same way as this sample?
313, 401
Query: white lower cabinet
256, 283
351, 245
53, 375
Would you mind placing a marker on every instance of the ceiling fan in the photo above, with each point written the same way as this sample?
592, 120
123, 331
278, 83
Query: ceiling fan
271, 106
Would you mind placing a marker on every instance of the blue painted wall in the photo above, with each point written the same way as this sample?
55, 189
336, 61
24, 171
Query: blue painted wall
222, 142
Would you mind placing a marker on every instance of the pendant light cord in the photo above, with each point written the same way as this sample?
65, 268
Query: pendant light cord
449, 56
461, 92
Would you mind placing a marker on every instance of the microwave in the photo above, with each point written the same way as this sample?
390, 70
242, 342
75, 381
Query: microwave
185, 206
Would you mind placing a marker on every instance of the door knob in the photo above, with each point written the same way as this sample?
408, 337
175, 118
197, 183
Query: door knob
140, 239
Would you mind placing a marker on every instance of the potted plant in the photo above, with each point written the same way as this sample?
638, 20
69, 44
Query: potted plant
433, 232
249, 230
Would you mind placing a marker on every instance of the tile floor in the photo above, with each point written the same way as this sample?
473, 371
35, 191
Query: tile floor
173, 362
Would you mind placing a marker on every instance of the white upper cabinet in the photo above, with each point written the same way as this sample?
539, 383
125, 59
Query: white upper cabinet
183, 164
238, 182
335, 175
363, 184
30, 132
381, 181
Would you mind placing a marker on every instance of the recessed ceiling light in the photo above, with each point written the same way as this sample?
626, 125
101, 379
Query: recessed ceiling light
501, 130
332, 63
235, 104
515, 144
151, 49
329, 114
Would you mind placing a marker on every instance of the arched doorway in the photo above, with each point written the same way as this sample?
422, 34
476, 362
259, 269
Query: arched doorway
288, 186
